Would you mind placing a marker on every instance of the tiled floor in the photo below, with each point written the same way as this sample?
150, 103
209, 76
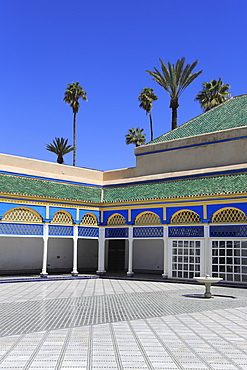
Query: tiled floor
121, 324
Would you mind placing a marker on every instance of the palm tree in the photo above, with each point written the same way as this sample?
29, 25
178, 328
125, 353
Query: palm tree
146, 98
213, 93
135, 136
60, 147
174, 79
73, 93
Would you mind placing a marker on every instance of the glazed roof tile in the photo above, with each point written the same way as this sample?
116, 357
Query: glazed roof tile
204, 186
195, 187
18, 185
228, 115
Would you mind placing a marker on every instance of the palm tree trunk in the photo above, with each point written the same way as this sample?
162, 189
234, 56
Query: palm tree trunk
151, 127
174, 105
74, 139
174, 118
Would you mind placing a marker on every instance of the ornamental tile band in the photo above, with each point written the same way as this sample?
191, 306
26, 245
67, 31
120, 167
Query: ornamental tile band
61, 230
116, 233
20, 229
88, 231
232, 231
148, 232
185, 231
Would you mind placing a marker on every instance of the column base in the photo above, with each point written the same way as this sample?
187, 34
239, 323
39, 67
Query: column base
130, 273
74, 273
164, 276
43, 274
101, 273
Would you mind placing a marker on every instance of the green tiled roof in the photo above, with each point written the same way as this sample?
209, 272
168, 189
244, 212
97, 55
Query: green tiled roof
48, 189
231, 114
226, 184
215, 185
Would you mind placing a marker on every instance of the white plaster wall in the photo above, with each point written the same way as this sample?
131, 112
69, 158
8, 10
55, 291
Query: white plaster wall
20, 254
220, 154
47, 169
205, 155
87, 255
60, 255
148, 255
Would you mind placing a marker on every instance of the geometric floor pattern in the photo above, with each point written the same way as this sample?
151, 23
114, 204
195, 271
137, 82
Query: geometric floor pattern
121, 324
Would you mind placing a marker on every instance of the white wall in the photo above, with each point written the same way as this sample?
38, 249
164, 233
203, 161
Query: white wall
87, 255
20, 254
60, 255
198, 152
148, 255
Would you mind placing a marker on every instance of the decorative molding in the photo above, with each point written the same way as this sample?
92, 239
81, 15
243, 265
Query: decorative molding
61, 230
88, 231
185, 231
231, 231
148, 232
21, 229
117, 232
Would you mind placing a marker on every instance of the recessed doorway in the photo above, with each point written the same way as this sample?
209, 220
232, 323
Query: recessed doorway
116, 255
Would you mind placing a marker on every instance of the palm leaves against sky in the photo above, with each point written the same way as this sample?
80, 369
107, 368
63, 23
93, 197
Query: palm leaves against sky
146, 98
60, 147
213, 93
135, 136
73, 93
174, 78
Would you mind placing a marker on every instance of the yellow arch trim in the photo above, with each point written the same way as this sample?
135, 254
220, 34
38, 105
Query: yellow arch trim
225, 209
63, 211
145, 212
90, 214
184, 210
115, 214
26, 209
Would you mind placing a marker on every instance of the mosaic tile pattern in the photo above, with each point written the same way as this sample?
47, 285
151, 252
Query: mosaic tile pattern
214, 338
21, 229
48, 189
225, 184
178, 189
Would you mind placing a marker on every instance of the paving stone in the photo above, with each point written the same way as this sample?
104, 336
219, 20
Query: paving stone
111, 324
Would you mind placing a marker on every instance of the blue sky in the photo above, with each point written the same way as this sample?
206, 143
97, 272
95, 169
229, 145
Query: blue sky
107, 45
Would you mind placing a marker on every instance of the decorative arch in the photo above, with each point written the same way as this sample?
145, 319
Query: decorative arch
21, 215
185, 216
147, 218
229, 215
116, 219
89, 219
62, 217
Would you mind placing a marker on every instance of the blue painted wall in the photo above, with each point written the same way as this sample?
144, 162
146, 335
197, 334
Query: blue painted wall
5, 207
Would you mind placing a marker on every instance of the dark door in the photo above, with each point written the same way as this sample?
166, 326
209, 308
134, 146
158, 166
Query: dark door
116, 255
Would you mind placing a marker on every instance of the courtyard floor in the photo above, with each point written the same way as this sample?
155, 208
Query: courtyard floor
95, 323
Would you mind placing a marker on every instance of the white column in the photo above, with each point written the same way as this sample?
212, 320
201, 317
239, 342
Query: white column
45, 245
101, 252
207, 252
74, 272
165, 241
130, 262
